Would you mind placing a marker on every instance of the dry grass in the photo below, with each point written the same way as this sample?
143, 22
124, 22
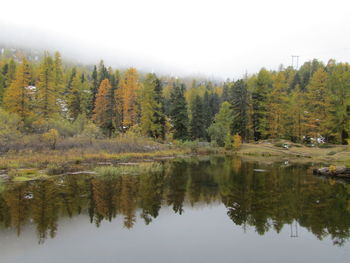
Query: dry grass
267, 149
44, 159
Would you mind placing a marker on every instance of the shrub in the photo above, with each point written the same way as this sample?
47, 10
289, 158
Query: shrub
9, 124
91, 131
51, 138
228, 141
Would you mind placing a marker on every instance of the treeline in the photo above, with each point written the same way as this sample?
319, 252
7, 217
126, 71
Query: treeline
308, 105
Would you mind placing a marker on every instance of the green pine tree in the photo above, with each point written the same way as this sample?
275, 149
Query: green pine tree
152, 116
260, 104
222, 124
240, 108
197, 124
178, 112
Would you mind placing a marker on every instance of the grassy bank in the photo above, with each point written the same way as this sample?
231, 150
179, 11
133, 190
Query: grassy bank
29, 165
295, 152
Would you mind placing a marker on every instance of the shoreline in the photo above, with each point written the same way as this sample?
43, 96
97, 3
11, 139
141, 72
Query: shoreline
28, 165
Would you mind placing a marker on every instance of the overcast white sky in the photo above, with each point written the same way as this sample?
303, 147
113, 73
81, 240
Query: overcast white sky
219, 38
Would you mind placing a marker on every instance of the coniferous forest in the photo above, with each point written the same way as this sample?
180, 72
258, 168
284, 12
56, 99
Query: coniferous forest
50, 97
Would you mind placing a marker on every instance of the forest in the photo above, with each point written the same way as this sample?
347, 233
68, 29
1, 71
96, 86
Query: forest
45, 98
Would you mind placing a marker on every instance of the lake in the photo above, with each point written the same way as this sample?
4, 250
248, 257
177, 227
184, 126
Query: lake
216, 209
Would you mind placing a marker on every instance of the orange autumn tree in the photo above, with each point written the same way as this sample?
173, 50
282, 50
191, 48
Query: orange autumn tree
127, 97
104, 113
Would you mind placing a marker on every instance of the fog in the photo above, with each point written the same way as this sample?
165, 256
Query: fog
213, 38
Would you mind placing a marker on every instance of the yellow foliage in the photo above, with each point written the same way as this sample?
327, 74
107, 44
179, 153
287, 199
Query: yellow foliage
51, 137
127, 95
332, 168
101, 111
17, 97
237, 141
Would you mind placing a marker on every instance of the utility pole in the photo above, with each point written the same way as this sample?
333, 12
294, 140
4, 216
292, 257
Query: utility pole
296, 62
292, 232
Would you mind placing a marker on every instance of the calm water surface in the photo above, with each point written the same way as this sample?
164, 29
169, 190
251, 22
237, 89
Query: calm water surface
214, 210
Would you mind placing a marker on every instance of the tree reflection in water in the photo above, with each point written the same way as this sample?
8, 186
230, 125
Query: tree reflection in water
264, 200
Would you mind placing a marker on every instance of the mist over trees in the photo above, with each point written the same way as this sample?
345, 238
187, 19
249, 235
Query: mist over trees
301, 105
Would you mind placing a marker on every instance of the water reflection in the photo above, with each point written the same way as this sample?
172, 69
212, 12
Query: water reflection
264, 200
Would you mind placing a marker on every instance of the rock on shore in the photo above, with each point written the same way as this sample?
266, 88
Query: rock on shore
334, 171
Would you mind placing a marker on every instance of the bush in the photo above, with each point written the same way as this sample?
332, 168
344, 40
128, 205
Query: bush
51, 138
67, 128
91, 131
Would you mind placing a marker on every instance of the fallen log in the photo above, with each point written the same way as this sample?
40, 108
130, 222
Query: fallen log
333, 171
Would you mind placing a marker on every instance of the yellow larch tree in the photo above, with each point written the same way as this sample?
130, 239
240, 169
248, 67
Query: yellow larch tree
104, 107
46, 93
17, 97
277, 105
127, 96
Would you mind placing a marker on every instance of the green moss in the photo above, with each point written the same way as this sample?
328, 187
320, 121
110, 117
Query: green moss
21, 179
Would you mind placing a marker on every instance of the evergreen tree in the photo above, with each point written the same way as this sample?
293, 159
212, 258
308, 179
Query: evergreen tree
214, 102
240, 108
259, 101
102, 72
178, 112
225, 92
94, 89
76, 99
71, 76
197, 124
207, 112
152, 116
160, 119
